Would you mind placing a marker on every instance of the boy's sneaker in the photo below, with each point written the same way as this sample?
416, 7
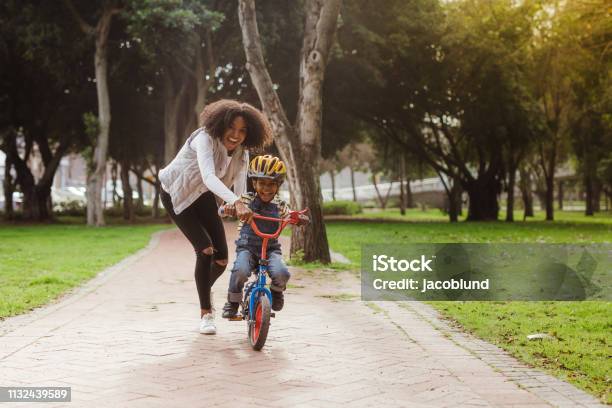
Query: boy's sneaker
207, 325
278, 300
230, 309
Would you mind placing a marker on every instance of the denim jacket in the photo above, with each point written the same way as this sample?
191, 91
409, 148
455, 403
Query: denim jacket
247, 239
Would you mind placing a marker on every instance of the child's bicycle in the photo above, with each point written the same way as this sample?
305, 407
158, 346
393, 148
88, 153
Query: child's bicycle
257, 298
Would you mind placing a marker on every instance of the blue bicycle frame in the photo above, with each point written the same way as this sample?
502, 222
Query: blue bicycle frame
259, 287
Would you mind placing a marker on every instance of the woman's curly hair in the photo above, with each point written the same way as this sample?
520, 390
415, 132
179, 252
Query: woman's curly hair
218, 116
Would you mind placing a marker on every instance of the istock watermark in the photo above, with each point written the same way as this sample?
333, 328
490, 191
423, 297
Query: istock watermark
383, 263
487, 272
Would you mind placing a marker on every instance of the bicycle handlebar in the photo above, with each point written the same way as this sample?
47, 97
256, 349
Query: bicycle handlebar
293, 218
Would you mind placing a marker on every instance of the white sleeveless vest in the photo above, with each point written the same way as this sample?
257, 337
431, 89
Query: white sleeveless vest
184, 181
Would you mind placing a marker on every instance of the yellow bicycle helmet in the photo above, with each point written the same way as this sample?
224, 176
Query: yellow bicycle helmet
269, 167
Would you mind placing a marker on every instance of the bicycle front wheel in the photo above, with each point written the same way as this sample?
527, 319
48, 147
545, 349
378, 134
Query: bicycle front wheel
258, 328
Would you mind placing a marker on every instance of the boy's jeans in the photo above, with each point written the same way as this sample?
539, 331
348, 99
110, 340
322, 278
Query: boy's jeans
246, 262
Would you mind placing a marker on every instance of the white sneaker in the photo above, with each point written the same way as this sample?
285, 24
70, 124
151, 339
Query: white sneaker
207, 325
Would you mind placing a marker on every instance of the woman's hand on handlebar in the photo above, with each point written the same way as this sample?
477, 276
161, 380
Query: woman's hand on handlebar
227, 210
243, 212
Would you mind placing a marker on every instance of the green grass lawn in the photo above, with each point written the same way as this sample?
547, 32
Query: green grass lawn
347, 237
434, 214
581, 351
40, 262
412, 214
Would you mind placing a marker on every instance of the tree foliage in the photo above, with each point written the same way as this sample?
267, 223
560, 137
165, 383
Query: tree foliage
488, 94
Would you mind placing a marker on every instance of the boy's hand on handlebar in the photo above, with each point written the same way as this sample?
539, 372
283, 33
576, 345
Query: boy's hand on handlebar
243, 212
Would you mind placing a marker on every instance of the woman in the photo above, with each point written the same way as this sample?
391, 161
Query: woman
214, 158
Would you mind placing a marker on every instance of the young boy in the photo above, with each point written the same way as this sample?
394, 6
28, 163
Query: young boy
267, 174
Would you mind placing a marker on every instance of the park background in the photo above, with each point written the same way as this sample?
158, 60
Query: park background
403, 121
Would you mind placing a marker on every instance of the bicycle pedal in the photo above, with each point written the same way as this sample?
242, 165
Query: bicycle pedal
236, 318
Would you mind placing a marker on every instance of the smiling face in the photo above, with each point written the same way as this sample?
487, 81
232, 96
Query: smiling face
235, 134
266, 189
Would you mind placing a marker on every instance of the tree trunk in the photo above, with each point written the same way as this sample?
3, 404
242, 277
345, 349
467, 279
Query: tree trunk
95, 177
375, 183
37, 203
332, 174
382, 200
157, 187
90, 197
409, 198
303, 140
114, 183
378, 195
24, 178
140, 202
155, 209
526, 193
40, 199
548, 163
95, 213
172, 105
588, 188
596, 195
353, 183
550, 197
312, 240
9, 188
483, 205
128, 202
560, 194
402, 198
454, 202
43, 209
510, 198
402, 174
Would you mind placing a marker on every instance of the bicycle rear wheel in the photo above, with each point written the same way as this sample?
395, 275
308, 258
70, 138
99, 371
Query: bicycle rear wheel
258, 329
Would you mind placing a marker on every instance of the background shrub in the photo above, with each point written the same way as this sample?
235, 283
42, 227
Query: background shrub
341, 207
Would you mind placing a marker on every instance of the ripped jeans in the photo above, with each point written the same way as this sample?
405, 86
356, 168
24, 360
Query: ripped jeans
245, 262
202, 226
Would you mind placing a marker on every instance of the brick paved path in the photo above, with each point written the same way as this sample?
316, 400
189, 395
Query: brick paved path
129, 338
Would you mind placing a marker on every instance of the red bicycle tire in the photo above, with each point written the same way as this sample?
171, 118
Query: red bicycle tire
258, 329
